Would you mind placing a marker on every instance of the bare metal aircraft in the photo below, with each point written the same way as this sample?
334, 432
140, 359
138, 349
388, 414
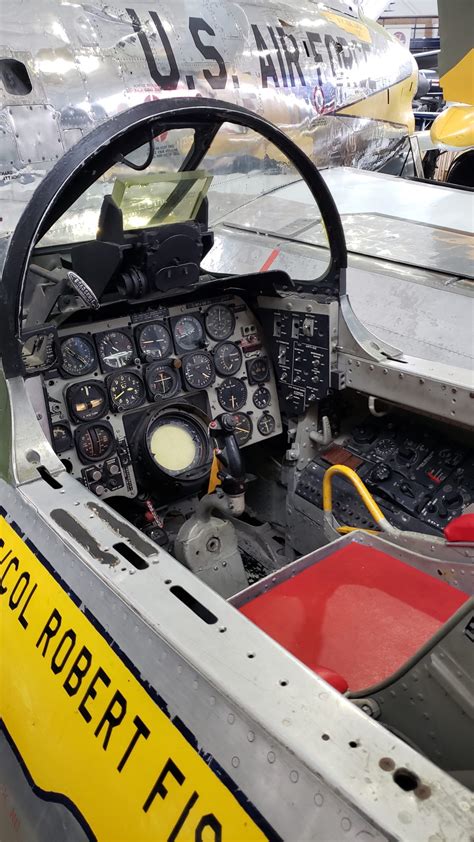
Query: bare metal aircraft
236, 547
221, 374
337, 83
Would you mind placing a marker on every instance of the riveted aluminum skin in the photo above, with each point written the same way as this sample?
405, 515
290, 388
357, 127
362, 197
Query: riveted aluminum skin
251, 714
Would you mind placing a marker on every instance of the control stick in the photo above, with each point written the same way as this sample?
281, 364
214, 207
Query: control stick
231, 473
207, 544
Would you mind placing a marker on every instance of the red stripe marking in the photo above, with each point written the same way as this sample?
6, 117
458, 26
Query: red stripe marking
270, 259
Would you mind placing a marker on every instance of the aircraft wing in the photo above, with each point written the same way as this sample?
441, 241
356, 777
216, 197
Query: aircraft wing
410, 278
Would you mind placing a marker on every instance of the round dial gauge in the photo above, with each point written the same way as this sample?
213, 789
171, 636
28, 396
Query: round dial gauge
188, 333
258, 369
94, 442
198, 370
220, 321
162, 380
177, 444
77, 356
87, 401
227, 358
126, 391
261, 397
385, 447
243, 427
266, 424
115, 349
62, 438
232, 394
154, 342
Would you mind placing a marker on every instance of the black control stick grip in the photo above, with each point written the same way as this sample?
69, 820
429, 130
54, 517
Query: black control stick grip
222, 430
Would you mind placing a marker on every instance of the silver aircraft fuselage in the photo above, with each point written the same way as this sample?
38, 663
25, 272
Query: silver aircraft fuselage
338, 83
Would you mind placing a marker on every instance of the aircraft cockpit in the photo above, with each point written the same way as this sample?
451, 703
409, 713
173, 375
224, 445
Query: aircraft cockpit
188, 399
152, 328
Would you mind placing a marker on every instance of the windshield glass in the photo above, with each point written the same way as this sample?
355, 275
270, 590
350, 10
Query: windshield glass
243, 176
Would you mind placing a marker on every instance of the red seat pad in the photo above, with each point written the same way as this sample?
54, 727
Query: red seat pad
333, 678
359, 611
460, 529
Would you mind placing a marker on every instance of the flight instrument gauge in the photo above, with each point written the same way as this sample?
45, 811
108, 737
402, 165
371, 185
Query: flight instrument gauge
232, 394
87, 401
262, 397
188, 333
227, 358
384, 448
162, 380
243, 427
62, 438
219, 321
94, 442
154, 342
198, 370
77, 356
126, 391
258, 370
266, 424
115, 350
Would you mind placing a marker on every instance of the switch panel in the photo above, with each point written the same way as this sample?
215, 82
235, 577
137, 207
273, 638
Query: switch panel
300, 345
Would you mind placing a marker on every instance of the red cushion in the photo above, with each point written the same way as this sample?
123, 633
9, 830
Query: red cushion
332, 678
359, 610
460, 529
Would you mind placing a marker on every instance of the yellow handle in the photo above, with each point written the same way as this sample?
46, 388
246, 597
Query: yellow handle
363, 492
344, 530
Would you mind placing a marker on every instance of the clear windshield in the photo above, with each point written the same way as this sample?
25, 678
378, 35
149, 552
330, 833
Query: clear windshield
243, 177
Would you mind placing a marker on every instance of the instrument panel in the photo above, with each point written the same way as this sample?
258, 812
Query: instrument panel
210, 356
420, 478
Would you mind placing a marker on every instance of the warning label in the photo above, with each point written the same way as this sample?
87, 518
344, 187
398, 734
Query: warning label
87, 729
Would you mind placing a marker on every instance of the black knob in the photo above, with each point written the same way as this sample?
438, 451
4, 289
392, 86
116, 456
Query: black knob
442, 510
364, 434
380, 473
453, 498
228, 422
450, 457
406, 488
406, 453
